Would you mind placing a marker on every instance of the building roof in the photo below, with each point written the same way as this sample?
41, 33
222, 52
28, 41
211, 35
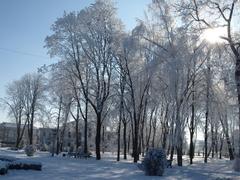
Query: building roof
11, 125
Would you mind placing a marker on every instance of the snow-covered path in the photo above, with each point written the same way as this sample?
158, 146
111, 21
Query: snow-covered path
65, 168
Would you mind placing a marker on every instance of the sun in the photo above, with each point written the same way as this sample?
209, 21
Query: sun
213, 35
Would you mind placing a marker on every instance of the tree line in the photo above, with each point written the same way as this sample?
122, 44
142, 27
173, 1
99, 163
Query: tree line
158, 86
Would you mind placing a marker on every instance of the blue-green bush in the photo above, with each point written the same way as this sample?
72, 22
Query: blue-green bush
154, 162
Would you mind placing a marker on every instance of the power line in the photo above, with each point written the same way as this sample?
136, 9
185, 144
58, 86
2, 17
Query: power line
23, 53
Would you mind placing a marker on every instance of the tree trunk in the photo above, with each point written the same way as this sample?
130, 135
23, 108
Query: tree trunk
129, 141
21, 134
207, 116
31, 126
230, 149
226, 133
216, 139
86, 128
77, 143
77, 135
213, 140
118, 141
191, 150
179, 155
171, 153
150, 130
221, 146
98, 136
237, 80
103, 139
154, 132
58, 125
179, 137
125, 139
135, 143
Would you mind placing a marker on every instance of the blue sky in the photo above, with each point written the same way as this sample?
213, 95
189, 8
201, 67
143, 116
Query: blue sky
24, 24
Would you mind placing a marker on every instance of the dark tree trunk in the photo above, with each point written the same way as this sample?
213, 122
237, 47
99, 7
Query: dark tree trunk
129, 141
98, 136
154, 132
226, 134
58, 126
230, 148
237, 80
77, 134
179, 137
86, 128
77, 143
118, 141
206, 139
135, 143
179, 155
125, 140
192, 125
191, 150
221, 147
213, 140
103, 139
216, 139
31, 128
85, 135
207, 116
21, 135
171, 153
150, 129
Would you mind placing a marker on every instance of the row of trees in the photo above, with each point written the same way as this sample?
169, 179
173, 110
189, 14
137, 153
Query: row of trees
156, 86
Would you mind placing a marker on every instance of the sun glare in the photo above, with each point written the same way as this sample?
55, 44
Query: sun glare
214, 35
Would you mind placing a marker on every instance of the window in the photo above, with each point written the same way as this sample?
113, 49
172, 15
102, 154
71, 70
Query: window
69, 134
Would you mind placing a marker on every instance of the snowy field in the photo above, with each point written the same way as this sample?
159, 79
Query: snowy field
65, 168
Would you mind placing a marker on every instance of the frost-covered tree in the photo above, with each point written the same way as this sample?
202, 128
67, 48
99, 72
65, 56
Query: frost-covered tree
214, 14
92, 35
14, 101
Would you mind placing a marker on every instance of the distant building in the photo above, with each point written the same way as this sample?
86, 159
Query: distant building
45, 136
109, 143
8, 134
69, 139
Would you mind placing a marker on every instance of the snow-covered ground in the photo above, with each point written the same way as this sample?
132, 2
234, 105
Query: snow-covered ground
65, 168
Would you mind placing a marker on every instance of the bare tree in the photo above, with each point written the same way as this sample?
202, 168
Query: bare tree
222, 15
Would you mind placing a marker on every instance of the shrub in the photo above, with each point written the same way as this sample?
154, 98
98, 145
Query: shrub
154, 162
30, 150
7, 158
26, 165
236, 164
3, 167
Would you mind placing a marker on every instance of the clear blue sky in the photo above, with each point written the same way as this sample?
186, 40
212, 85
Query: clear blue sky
24, 24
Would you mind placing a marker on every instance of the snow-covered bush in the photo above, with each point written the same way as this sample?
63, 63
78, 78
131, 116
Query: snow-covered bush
236, 164
30, 150
3, 167
7, 158
154, 162
26, 165
220, 178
